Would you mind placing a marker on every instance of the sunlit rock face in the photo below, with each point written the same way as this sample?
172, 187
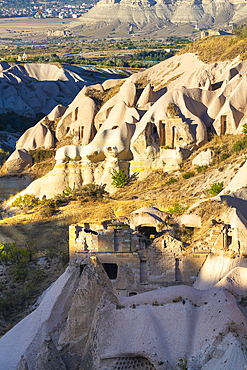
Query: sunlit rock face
142, 14
152, 121
83, 324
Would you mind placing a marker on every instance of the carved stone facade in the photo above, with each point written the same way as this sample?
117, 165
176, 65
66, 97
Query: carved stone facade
133, 265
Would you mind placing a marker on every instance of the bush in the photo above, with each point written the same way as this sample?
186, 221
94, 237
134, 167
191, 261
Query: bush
171, 181
28, 201
48, 209
3, 155
40, 155
187, 175
119, 179
240, 145
177, 209
172, 110
94, 191
201, 168
216, 188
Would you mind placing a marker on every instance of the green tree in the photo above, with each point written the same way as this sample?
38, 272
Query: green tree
119, 179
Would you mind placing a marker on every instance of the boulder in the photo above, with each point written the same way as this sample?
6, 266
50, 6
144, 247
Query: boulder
18, 161
203, 158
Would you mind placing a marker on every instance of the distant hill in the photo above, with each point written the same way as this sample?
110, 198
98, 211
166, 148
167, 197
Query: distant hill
115, 18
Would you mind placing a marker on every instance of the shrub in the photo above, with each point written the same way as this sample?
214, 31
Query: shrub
3, 155
201, 168
245, 129
94, 191
39, 155
27, 201
189, 174
216, 188
48, 209
240, 145
224, 157
172, 110
177, 209
119, 179
182, 363
171, 181
67, 191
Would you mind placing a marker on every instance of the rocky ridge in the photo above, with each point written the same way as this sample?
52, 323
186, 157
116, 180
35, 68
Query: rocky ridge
123, 17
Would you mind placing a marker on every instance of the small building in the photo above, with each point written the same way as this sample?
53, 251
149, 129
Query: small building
131, 260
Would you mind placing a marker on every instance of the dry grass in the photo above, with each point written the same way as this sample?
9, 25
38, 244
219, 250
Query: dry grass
3, 170
218, 48
174, 78
112, 92
39, 170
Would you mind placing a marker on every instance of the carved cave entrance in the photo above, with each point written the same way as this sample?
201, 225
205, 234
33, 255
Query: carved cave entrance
167, 134
178, 272
223, 124
147, 230
111, 269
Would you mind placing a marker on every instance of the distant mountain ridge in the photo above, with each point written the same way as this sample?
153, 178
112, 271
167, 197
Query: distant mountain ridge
138, 14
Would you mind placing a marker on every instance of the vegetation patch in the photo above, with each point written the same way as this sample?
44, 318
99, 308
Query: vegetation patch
188, 175
119, 179
40, 155
219, 48
216, 188
172, 110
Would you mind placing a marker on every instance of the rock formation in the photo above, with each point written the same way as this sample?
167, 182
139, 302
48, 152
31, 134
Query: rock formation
34, 88
144, 17
159, 329
154, 121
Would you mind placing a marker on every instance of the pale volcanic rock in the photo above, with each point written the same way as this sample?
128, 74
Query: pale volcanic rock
22, 365
33, 88
91, 325
78, 120
119, 114
55, 181
11, 185
153, 319
203, 158
57, 112
47, 320
48, 357
239, 181
36, 137
235, 281
18, 161
94, 286
127, 94
128, 17
149, 97
108, 84
216, 268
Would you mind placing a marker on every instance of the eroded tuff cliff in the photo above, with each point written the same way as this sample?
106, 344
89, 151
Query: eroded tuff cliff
144, 17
